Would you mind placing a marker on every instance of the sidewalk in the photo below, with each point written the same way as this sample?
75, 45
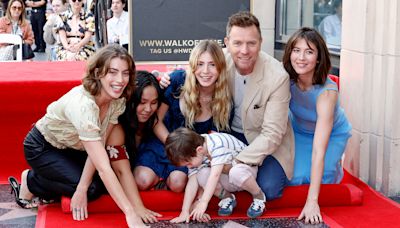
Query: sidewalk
11, 215
40, 56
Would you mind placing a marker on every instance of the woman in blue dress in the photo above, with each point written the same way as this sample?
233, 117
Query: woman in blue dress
198, 99
320, 126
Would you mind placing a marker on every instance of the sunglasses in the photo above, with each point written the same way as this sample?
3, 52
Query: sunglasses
19, 8
76, 0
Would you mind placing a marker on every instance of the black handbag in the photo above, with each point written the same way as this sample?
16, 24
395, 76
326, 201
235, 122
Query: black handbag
27, 52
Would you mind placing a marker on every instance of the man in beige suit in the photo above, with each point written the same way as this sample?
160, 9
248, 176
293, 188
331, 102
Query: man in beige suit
260, 88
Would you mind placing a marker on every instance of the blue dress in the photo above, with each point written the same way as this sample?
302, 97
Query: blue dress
303, 116
151, 153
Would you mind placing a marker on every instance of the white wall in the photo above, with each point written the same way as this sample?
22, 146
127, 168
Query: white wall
264, 10
369, 69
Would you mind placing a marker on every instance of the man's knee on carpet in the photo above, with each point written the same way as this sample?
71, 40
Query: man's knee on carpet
271, 178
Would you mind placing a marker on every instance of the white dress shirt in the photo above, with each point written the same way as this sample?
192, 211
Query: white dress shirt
118, 28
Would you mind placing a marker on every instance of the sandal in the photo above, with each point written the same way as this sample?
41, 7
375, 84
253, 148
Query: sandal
15, 188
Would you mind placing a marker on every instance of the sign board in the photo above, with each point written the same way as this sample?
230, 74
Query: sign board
167, 30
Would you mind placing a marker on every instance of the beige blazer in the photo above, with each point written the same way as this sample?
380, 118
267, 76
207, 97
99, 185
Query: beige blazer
265, 112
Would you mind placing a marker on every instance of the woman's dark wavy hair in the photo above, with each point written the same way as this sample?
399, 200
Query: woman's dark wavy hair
99, 65
129, 120
323, 66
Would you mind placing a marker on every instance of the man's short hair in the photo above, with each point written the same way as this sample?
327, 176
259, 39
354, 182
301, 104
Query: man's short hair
242, 19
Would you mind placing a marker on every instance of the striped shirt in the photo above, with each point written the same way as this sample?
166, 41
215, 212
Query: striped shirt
222, 147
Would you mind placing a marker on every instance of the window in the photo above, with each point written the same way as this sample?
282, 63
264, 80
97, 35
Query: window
323, 15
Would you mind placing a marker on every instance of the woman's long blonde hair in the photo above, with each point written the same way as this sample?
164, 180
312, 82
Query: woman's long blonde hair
221, 104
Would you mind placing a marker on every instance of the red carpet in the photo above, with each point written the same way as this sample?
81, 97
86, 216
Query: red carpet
331, 195
27, 88
375, 211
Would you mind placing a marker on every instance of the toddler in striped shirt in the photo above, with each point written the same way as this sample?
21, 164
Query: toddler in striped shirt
212, 168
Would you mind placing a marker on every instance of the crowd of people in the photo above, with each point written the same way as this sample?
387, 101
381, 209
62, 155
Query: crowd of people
66, 32
236, 119
66, 27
